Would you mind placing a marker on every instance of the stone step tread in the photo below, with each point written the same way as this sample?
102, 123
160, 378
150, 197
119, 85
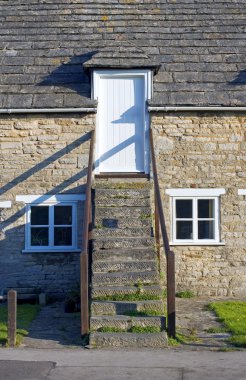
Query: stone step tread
107, 290
119, 232
136, 185
125, 277
126, 322
119, 266
122, 202
126, 340
126, 254
114, 193
99, 308
115, 212
122, 222
122, 242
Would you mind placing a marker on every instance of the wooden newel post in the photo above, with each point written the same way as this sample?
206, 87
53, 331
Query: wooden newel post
171, 315
84, 293
12, 311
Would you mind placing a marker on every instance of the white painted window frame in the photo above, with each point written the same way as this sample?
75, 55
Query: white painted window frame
51, 201
195, 195
148, 80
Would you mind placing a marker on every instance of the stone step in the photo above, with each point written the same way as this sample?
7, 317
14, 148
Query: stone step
130, 278
126, 323
114, 291
121, 193
119, 185
122, 202
126, 254
124, 307
128, 340
122, 222
123, 266
119, 232
117, 212
109, 243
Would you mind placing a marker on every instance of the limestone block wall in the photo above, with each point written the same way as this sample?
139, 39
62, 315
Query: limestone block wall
40, 154
207, 150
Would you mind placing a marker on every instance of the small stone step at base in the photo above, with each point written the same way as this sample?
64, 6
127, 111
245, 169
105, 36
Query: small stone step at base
126, 322
108, 291
126, 254
124, 307
128, 340
129, 242
123, 266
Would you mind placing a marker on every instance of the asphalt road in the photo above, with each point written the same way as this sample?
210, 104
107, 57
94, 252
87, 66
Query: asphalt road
24, 364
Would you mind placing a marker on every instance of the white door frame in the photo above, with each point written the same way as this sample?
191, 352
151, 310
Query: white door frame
147, 76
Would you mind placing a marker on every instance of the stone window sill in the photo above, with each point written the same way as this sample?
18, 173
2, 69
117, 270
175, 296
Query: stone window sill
51, 251
197, 243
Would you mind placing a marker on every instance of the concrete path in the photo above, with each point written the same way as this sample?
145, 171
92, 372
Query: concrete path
54, 329
27, 364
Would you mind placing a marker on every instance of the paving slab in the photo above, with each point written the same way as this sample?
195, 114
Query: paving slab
53, 328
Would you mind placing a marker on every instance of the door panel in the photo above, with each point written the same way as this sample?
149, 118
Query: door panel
121, 124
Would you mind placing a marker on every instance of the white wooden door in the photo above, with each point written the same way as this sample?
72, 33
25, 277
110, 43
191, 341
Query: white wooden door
121, 124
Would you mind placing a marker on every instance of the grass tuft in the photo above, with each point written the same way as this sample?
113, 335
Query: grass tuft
25, 315
147, 313
144, 329
216, 330
185, 294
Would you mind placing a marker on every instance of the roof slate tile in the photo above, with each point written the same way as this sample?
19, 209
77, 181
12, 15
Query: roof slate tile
44, 45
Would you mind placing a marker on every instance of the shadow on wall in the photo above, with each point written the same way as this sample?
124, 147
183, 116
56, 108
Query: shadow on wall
71, 75
240, 79
60, 188
35, 270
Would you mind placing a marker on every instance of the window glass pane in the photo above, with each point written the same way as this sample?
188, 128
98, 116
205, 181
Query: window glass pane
39, 215
184, 230
184, 208
205, 208
205, 229
63, 215
63, 236
40, 236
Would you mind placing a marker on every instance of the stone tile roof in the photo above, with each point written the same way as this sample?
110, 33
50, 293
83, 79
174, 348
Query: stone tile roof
199, 43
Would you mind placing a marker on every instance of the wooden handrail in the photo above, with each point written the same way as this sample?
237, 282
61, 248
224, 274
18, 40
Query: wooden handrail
160, 222
87, 222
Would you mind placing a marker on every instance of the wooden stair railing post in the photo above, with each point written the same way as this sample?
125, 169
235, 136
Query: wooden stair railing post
171, 294
170, 257
157, 235
84, 284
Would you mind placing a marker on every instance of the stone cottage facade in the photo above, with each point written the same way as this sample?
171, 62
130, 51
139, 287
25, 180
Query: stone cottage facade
185, 65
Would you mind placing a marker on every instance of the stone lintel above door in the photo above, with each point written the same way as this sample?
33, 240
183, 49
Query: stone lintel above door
124, 56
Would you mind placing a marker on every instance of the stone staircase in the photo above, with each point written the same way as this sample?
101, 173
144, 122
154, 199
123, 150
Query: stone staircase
126, 297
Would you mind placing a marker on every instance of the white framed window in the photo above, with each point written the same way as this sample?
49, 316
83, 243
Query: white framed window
51, 223
195, 216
